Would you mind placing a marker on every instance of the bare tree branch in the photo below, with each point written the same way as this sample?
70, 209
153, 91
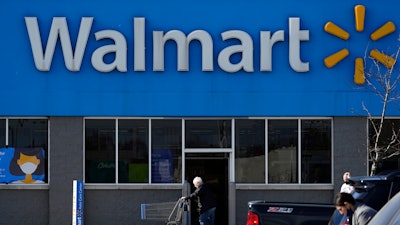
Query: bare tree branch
383, 82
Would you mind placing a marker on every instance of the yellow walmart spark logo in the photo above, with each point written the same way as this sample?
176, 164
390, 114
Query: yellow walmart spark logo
384, 30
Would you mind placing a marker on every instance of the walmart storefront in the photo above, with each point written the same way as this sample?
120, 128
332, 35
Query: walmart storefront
262, 99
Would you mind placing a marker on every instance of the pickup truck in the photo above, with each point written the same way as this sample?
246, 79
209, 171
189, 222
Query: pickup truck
374, 191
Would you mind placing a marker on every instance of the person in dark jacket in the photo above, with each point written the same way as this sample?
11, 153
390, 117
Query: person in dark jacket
206, 201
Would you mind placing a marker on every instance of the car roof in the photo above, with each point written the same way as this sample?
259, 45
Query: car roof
389, 214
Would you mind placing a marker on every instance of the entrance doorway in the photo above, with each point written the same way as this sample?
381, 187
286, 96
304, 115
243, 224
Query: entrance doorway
213, 169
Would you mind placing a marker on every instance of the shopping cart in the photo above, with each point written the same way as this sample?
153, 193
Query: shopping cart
169, 212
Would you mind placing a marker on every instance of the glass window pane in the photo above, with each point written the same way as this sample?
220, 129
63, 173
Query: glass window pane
30, 137
133, 151
100, 151
166, 151
208, 133
316, 142
250, 151
391, 128
28, 133
282, 151
2, 133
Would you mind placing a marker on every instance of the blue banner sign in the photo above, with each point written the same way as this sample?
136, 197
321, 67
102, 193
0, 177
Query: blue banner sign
194, 58
22, 165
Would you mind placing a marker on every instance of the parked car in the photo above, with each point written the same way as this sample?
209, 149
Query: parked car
389, 214
374, 191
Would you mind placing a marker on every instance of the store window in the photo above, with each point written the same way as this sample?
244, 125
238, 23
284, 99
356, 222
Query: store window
315, 147
101, 159
282, 151
250, 151
208, 134
25, 152
391, 128
133, 151
166, 151
131, 155
316, 151
100, 151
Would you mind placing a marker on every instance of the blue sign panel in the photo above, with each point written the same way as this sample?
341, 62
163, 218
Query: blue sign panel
162, 166
185, 58
22, 165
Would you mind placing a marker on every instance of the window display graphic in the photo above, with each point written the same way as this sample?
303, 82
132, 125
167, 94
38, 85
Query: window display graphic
162, 166
21, 165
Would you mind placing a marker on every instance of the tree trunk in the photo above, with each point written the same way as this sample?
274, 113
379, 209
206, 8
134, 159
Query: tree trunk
374, 166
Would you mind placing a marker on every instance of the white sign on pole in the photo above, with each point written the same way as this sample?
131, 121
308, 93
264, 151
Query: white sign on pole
77, 202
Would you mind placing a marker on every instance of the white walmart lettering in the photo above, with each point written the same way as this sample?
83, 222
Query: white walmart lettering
73, 59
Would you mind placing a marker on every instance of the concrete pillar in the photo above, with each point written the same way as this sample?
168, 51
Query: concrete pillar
65, 165
232, 203
186, 214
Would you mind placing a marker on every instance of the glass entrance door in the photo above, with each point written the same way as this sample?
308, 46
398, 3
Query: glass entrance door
213, 169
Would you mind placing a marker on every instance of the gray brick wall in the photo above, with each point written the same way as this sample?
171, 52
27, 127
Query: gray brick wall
66, 165
350, 148
24, 207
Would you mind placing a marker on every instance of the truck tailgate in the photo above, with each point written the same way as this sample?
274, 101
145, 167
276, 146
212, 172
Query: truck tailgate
291, 213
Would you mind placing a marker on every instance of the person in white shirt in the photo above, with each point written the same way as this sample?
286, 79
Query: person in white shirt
346, 187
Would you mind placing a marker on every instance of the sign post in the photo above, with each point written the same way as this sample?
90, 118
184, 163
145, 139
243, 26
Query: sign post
77, 202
